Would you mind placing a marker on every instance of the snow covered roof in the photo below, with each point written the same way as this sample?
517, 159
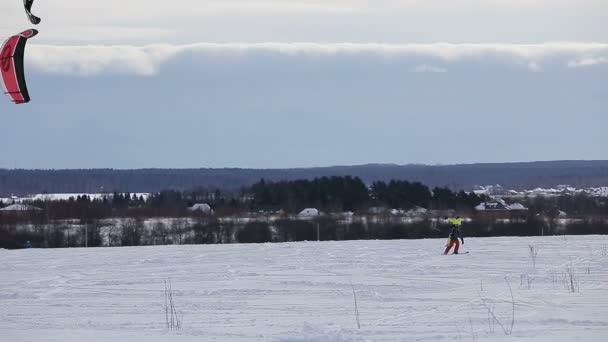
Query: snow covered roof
417, 210
495, 189
562, 189
496, 204
20, 207
204, 207
397, 211
500, 204
309, 212
517, 206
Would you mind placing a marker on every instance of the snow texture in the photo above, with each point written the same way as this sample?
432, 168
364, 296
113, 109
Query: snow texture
405, 290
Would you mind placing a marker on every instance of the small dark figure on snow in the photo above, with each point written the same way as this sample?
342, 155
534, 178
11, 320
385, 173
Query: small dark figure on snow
455, 234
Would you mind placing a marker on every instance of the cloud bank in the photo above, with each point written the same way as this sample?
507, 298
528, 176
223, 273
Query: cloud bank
140, 22
90, 60
587, 62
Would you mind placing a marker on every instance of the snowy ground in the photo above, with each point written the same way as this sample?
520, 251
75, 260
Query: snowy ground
406, 291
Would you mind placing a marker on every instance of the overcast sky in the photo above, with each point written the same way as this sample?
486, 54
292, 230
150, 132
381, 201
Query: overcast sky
294, 83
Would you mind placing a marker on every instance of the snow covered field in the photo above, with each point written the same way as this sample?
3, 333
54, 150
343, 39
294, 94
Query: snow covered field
405, 290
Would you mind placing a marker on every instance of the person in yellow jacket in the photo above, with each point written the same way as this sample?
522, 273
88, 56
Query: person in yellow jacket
455, 234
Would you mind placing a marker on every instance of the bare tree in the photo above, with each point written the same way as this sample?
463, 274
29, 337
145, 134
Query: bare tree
507, 330
173, 319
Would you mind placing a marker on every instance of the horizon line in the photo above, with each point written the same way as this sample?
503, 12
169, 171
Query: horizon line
308, 167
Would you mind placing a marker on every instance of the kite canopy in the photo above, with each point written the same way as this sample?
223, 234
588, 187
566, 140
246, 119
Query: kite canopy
28, 10
11, 66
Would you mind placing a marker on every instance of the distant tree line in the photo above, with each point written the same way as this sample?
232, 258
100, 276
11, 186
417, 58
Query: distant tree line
351, 194
119, 219
403, 194
329, 194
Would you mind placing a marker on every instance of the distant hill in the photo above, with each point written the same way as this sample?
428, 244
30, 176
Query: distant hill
464, 176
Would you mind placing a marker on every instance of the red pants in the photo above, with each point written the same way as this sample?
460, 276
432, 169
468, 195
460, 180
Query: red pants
452, 243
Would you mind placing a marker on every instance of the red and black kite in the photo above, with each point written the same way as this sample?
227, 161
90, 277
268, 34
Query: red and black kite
11, 66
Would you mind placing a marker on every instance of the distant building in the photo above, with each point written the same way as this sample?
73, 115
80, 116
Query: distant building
417, 211
309, 212
397, 212
500, 204
497, 208
517, 206
377, 210
201, 207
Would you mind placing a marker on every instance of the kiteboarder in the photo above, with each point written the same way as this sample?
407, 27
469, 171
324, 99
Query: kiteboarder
455, 234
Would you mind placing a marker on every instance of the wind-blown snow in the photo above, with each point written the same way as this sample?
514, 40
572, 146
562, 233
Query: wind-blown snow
406, 291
